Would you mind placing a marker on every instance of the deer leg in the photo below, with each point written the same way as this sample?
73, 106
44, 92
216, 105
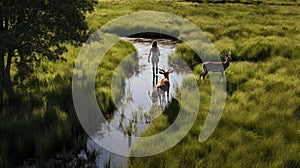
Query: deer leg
163, 96
201, 74
205, 73
159, 95
168, 96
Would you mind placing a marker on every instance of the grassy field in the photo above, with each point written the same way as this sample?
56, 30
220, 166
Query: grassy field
253, 32
260, 124
259, 127
47, 126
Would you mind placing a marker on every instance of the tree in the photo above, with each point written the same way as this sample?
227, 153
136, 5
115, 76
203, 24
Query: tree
31, 29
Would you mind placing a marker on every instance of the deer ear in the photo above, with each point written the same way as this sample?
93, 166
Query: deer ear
161, 71
171, 70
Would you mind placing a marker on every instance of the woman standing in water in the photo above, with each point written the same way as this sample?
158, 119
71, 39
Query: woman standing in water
155, 54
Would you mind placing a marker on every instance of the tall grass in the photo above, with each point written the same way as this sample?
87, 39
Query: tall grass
39, 120
266, 30
120, 62
259, 127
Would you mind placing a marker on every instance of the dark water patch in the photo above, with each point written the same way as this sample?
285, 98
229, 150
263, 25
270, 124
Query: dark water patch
152, 35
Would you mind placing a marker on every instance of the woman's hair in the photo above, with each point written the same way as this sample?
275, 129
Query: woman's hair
154, 44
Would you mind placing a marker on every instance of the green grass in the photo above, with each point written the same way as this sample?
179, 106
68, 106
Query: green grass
252, 32
119, 63
47, 123
260, 124
38, 118
259, 127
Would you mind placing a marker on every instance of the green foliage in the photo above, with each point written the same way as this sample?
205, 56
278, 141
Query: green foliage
266, 30
261, 48
36, 109
183, 52
259, 127
42, 29
47, 122
277, 2
43, 124
119, 63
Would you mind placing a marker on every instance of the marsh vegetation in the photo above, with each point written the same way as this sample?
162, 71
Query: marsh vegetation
259, 126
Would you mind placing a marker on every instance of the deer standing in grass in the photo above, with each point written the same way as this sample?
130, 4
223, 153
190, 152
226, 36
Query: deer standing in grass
163, 85
216, 66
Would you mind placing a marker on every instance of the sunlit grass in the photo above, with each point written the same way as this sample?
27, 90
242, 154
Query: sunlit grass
257, 128
260, 124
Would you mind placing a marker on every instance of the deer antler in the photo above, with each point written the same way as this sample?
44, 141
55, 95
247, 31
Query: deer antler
170, 70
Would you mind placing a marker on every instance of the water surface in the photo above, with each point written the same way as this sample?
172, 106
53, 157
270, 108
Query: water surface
138, 108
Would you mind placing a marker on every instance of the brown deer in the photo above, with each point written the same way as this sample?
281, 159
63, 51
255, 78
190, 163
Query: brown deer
163, 85
216, 66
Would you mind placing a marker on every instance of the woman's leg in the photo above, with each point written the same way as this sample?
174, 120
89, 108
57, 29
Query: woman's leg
156, 65
153, 68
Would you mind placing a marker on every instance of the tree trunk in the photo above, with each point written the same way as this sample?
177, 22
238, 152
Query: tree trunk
7, 69
1, 50
6, 84
1, 68
1, 80
1, 59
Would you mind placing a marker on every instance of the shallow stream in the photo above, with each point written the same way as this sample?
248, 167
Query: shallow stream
138, 108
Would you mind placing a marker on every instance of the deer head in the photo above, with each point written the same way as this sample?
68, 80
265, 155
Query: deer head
228, 57
165, 73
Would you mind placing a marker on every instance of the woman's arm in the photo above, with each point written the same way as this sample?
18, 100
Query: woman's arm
149, 55
158, 51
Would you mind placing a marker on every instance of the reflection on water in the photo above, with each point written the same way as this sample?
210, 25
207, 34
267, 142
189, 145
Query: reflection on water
140, 105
